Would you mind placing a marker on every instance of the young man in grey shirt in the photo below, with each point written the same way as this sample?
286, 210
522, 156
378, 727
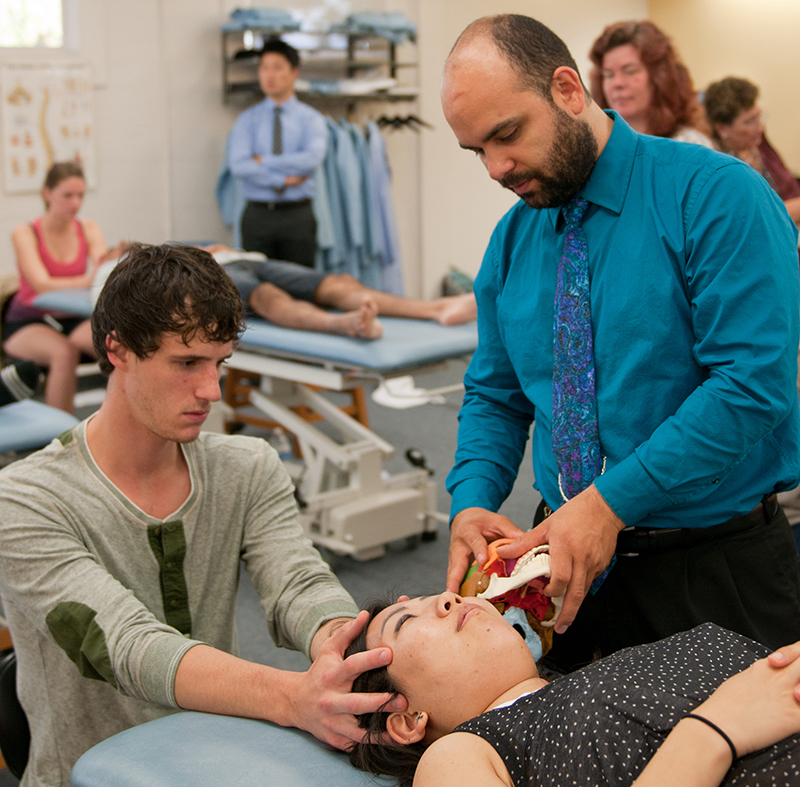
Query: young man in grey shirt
120, 542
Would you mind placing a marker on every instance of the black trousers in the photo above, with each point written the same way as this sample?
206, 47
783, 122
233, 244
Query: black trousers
282, 231
747, 581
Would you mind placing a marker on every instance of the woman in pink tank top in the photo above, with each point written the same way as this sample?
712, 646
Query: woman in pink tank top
55, 251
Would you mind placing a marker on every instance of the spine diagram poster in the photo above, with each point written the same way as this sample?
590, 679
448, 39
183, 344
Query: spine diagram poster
47, 115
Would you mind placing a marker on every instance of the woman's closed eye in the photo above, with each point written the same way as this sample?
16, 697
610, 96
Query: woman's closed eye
402, 620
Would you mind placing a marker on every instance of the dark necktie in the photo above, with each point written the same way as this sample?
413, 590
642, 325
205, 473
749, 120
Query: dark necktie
277, 133
576, 440
277, 141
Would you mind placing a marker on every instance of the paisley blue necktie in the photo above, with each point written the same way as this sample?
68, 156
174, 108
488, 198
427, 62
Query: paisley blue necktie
576, 440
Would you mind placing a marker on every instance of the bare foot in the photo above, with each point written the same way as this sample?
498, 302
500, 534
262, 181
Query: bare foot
457, 309
360, 323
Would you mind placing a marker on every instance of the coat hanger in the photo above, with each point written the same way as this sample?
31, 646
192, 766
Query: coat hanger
396, 122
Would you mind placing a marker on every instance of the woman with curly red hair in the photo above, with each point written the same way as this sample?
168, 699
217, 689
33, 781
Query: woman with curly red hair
638, 74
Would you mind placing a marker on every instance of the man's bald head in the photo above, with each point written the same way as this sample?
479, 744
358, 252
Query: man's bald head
532, 49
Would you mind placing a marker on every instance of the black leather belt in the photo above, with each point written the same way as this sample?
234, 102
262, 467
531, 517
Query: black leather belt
282, 204
639, 540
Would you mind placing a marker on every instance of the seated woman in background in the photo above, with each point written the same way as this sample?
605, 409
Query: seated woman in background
55, 251
638, 74
735, 119
703, 707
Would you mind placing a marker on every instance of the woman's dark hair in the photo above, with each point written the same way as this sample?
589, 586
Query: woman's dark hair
59, 171
674, 103
374, 755
727, 99
158, 290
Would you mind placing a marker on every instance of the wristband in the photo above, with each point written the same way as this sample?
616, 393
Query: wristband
716, 729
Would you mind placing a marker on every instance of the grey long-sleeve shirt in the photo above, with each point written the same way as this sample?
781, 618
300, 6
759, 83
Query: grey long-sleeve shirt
103, 600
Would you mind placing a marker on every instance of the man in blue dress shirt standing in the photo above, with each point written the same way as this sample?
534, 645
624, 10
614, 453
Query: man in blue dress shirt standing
275, 148
693, 288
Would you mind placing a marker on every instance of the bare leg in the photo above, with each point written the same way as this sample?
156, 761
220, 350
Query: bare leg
280, 308
47, 347
342, 291
81, 337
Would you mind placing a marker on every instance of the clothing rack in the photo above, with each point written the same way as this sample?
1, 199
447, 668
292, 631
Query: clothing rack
396, 122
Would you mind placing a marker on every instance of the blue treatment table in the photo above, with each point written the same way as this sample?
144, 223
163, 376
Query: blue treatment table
350, 504
77, 302
27, 425
203, 750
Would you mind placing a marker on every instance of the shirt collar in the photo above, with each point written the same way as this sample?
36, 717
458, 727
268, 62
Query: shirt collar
608, 184
270, 104
610, 178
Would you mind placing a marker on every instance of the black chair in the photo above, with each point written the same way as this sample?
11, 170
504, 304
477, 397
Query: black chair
15, 736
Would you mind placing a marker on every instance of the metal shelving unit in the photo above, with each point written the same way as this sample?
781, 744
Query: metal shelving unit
327, 58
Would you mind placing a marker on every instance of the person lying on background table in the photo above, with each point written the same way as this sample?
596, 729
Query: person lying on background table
120, 542
293, 296
701, 708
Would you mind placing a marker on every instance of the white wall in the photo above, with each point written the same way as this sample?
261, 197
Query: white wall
161, 125
157, 106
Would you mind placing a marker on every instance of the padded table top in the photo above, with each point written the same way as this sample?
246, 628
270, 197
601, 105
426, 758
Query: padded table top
77, 302
405, 343
205, 750
28, 424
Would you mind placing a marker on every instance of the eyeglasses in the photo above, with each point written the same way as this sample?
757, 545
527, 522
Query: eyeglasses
753, 122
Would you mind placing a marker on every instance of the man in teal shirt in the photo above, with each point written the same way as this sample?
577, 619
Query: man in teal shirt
694, 307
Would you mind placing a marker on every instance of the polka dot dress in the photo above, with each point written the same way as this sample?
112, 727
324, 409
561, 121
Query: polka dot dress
602, 724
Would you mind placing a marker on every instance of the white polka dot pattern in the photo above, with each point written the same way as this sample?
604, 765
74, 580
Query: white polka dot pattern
602, 724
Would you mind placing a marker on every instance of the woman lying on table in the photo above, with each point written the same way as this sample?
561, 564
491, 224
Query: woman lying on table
55, 251
703, 707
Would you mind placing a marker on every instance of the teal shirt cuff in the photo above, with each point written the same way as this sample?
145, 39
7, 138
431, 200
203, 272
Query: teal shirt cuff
475, 493
630, 491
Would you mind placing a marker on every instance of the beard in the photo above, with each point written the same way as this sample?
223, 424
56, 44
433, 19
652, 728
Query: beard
570, 163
